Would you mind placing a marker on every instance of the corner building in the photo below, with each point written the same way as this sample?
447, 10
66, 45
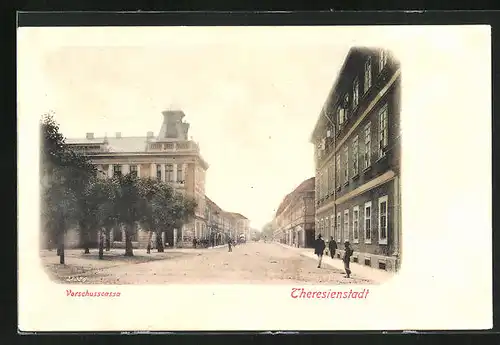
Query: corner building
357, 141
294, 218
170, 156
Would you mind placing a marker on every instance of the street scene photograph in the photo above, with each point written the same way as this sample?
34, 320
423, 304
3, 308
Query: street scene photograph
212, 159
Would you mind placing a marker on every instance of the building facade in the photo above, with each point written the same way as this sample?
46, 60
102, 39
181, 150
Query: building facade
169, 156
242, 226
294, 220
222, 225
357, 141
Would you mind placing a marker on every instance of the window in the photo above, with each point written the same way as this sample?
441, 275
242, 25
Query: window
337, 233
117, 170
331, 178
382, 220
158, 172
383, 130
346, 225
355, 156
368, 141
355, 93
337, 172
321, 185
169, 172
383, 59
368, 222
340, 116
368, 74
346, 106
327, 227
346, 164
180, 178
332, 225
355, 224
133, 170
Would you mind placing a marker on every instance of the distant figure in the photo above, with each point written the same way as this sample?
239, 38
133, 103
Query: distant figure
347, 259
332, 247
230, 244
319, 248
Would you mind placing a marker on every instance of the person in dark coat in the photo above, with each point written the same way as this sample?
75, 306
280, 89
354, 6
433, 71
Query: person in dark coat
319, 248
332, 247
230, 244
347, 258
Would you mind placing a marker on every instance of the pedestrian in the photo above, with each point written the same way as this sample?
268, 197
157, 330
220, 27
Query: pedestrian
229, 244
319, 248
194, 242
347, 258
332, 247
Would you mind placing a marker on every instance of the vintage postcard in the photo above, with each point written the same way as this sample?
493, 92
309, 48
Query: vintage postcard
241, 178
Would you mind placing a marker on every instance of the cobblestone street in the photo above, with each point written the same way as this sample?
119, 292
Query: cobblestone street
259, 263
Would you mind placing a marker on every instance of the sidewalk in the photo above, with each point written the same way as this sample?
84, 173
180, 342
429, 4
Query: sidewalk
358, 271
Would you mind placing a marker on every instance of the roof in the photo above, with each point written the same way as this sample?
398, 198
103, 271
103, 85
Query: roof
123, 144
238, 215
354, 51
305, 186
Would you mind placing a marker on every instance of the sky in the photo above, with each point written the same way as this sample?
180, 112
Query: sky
251, 94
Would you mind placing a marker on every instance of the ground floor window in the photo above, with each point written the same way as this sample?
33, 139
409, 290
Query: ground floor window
346, 225
338, 227
382, 219
355, 224
368, 222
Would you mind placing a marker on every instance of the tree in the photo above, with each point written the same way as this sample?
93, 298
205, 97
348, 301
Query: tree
128, 206
161, 205
148, 189
181, 210
64, 176
105, 193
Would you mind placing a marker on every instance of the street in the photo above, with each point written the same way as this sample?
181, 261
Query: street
254, 262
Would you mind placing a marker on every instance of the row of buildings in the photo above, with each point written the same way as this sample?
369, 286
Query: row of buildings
357, 183
171, 157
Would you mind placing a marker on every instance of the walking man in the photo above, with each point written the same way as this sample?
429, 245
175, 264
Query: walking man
347, 259
332, 247
319, 248
230, 244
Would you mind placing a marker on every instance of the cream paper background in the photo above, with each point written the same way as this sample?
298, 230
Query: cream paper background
446, 276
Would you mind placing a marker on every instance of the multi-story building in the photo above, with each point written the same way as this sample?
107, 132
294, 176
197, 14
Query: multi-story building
357, 158
294, 219
242, 226
222, 224
170, 156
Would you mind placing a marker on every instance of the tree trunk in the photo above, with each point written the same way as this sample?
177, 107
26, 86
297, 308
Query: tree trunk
159, 243
101, 245
60, 247
108, 239
150, 235
86, 244
128, 241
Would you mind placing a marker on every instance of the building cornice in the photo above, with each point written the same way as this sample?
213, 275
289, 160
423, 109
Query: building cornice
373, 183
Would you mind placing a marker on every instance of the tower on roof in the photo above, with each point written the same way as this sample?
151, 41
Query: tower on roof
173, 127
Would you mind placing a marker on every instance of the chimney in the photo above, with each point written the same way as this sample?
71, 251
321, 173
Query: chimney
90, 135
150, 134
118, 135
